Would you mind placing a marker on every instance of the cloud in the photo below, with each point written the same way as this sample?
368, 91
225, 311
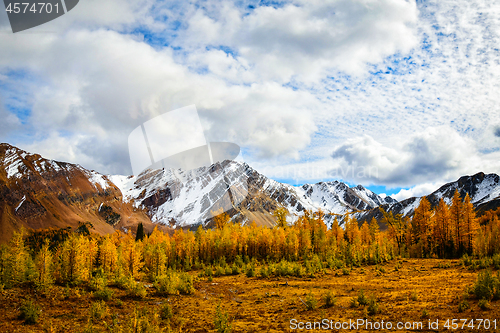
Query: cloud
440, 153
308, 38
9, 123
416, 191
401, 92
100, 94
497, 132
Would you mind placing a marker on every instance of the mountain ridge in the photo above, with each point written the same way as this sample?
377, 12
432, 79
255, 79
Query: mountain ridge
483, 189
39, 193
161, 196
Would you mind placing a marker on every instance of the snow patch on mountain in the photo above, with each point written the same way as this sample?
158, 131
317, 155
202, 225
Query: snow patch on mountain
21, 203
12, 163
97, 179
488, 189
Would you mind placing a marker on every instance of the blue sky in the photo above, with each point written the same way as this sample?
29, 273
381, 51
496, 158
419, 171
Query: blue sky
399, 96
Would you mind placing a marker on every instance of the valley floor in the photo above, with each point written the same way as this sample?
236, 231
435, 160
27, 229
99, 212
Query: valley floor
407, 290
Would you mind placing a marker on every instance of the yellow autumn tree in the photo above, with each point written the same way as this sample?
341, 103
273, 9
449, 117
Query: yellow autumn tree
155, 253
351, 229
72, 260
131, 255
421, 228
442, 232
365, 234
108, 256
280, 214
17, 258
457, 223
43, 264
470, 224
397, 225
374, 229
220, 218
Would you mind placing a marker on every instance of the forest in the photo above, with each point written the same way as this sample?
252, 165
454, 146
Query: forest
62, 256
172, 263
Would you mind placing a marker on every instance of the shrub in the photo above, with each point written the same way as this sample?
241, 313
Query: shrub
29, 312
143, 322
174, 283
283, 269
165, 285
373, 307
496, 261
221, 320
122, 281
238, 261
311, 302
136, 290
166, 312
483, 304
197, 264
98, 282
354, 302
330, 299
463, 305
486, 286
466, 260
250, 270
235, 269
185, 285
270, 270
298, 270
104, 294
362, 299
263, 272
98, 310
219, 271
334, 263
209, 271
345, 271
425, 314
414, 296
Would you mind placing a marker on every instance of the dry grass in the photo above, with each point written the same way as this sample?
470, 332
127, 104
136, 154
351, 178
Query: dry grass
267, 305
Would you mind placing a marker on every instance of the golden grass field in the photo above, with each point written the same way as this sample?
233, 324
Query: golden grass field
406, 290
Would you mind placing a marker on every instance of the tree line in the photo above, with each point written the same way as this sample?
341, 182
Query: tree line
445, 231
74, 257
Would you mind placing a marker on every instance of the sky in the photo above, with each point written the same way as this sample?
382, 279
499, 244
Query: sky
400, 96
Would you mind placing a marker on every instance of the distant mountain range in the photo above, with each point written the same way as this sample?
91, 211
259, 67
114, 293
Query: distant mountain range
483, 189
41, 193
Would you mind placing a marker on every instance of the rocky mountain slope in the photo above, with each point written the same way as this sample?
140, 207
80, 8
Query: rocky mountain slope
190, 198
39, 193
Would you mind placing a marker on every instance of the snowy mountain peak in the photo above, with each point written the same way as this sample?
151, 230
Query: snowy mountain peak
18, 163
190, 198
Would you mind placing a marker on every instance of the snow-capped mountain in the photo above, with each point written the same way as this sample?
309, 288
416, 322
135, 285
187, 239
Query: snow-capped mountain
40, 193
483, 190
190, 198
